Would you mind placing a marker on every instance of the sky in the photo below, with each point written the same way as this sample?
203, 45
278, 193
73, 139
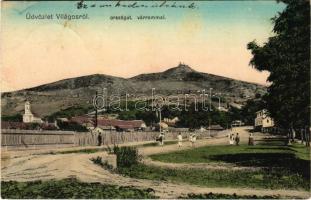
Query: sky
211, 38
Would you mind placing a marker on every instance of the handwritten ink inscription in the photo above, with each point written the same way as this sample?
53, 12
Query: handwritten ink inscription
137, 4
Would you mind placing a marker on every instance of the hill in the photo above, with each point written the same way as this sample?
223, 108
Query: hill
49, 98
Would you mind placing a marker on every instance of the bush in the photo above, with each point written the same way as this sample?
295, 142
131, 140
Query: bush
115, 149
126, 156
70, 189
103, 164
109, 150
33, 126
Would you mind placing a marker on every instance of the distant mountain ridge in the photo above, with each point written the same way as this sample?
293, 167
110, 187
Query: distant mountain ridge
173, 73
52, 97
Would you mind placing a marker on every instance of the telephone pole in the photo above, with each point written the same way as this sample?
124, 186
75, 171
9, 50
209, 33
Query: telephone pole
95, 111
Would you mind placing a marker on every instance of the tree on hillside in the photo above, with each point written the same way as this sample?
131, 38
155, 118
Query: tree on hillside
12, 118
286, 56
195, 118
71, 126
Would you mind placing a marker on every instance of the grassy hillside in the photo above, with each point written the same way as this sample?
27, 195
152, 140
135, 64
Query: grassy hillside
50, 98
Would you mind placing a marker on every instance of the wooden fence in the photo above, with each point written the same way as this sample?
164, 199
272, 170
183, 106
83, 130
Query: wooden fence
29, 138
39, 139
109, 138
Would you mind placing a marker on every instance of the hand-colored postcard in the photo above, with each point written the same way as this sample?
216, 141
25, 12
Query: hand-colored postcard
144, 99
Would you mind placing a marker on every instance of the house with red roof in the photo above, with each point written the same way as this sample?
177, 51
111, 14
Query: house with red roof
85, 121
121, 125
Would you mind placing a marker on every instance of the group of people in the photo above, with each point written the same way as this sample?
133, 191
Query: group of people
160, 139
192, 139
234, 139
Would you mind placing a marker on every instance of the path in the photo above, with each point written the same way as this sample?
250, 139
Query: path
28, 167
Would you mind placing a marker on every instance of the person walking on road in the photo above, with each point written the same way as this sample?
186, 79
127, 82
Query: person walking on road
190, 137
193, 139
99, 139
231, 139
237, 139
251, 139
161, 139
179, 137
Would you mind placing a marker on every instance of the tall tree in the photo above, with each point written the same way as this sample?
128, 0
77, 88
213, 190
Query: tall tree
286, 56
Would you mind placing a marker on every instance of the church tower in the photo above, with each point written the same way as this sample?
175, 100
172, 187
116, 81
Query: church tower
27, 116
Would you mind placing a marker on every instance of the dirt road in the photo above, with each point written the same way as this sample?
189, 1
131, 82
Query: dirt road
28, 166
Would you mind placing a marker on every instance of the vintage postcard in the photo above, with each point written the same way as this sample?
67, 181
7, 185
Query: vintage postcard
144, 99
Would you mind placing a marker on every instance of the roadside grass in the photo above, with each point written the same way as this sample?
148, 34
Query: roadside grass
264, 178
208, 154
70, 188
225, 196
277, 167
294, 158
87, 151
301, 151
95, 150
153, 144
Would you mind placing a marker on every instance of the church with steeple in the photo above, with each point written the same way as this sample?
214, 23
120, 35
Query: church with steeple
28, 116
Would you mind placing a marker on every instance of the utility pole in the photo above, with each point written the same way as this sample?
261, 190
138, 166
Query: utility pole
219, 101
209, 127
160, 119
96, 111
210, 102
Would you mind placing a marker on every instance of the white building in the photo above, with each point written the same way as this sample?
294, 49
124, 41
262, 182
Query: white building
237, 123
174, 120
28, 117
262, 121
